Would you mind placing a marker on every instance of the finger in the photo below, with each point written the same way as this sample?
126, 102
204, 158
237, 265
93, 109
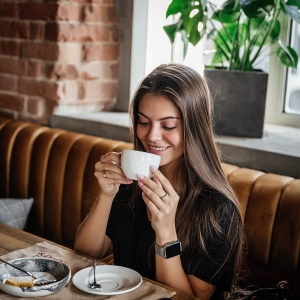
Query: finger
108, 172
154, 185
150, 196
110, 161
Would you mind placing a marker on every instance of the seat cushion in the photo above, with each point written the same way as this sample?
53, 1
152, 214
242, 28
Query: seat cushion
14, 212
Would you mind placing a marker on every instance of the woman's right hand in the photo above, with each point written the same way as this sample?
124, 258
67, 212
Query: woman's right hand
109, 173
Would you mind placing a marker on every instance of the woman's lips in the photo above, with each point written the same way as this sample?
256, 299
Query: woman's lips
158, 148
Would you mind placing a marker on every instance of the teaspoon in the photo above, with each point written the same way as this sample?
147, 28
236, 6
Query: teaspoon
94, 285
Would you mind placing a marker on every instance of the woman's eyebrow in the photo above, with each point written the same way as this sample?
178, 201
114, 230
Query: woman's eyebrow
164, 118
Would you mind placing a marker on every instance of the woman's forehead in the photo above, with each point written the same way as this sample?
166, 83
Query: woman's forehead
157, 105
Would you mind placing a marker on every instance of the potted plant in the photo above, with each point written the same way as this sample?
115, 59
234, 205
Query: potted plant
242, 33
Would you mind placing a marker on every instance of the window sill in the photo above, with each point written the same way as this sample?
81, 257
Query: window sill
278, 151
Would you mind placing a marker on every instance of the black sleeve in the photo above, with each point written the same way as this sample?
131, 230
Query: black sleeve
121, 202
216, 264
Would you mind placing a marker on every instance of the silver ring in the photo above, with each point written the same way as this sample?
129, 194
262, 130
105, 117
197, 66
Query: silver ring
163, 198
104, 174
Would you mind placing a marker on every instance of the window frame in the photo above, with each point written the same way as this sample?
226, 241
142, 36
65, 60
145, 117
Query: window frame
276, 87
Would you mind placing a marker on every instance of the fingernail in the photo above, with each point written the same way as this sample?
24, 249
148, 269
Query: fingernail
140, 176
140, 183
153, 168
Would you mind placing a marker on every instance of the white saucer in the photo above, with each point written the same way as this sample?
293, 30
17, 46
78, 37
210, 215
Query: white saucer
113, 279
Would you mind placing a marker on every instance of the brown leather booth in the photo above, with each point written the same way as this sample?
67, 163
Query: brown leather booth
56, 168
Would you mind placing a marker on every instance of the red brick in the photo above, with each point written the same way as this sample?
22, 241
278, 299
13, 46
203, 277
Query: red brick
100, 52
14, 29
38, 11
97, 89
77, 32
114, 33
49, 107
40, 109
8, 82
33, 105
51, 31
115, 70
70, 53
40, 50
24, 30
35, 69
36, 31
10, 47
70, 12
71, 89
11, 65
8, 10
91, 70
102, 2
109, 89
11, 101
85, 71
42, 88
9, 28
99, 13
60, 71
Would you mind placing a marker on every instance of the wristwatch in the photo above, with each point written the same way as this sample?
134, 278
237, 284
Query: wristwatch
169, 250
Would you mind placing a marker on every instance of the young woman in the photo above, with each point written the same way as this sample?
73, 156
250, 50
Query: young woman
183, 227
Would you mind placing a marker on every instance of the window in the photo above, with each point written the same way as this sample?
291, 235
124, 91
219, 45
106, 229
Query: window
292, 79
151, 47
150, 44
280, 107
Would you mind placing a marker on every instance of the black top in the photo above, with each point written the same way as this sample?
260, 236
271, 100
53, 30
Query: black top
133, 240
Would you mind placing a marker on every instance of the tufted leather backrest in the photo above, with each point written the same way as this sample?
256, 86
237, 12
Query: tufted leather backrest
271, 213
56, 168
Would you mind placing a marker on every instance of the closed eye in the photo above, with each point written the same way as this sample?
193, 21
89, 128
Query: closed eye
169, 128
143, 123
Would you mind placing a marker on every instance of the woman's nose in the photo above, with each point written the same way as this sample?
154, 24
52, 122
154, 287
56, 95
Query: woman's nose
154, 133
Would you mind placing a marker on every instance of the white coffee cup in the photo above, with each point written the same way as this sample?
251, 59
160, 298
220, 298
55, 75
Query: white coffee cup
135, 162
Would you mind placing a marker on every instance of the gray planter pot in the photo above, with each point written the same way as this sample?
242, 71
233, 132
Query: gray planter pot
239, 102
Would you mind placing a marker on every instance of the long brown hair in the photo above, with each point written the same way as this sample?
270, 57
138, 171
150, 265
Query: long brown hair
200, 167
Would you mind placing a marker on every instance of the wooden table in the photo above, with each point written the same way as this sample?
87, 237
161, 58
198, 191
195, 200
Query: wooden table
12, 239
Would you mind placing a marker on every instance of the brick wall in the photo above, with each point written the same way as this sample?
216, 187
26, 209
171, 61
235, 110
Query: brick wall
57, 55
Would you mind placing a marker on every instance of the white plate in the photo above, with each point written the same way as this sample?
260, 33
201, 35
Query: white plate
113, 279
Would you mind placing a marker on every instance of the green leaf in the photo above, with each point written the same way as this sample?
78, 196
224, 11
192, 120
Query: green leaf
292, 9
172, 29
219, 59
260, 27
174, 8
287, 55
275, 32
257, 8
229, 12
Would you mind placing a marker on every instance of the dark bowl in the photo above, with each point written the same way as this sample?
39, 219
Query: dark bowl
59, 270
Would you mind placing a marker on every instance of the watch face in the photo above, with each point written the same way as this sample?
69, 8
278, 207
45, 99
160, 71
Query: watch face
173, 250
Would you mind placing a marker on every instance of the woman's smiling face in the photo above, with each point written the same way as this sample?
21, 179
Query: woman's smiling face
159, 128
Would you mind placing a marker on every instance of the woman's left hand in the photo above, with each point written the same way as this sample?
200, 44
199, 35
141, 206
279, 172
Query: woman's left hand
162, 201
